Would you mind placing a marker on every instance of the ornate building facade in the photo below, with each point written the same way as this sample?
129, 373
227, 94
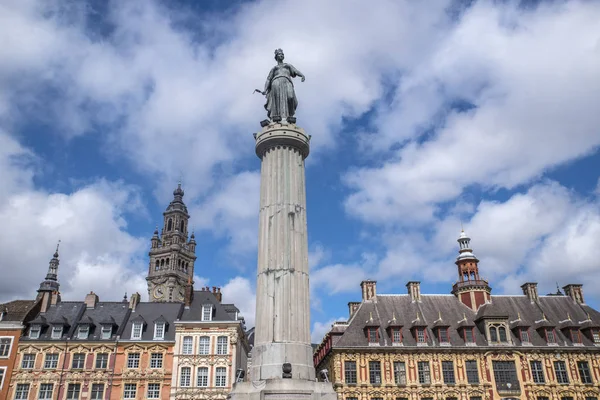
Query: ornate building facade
469, 345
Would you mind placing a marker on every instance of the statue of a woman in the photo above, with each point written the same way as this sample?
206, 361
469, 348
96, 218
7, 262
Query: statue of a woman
279, 90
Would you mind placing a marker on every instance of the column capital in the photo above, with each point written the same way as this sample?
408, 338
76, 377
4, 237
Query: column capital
280, 134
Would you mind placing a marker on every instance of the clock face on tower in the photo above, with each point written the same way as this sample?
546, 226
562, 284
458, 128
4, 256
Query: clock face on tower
159, 292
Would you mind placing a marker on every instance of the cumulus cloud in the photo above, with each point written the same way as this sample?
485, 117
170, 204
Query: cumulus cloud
321, 328
241, 292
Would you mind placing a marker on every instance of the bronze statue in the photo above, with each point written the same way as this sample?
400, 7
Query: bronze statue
279, 90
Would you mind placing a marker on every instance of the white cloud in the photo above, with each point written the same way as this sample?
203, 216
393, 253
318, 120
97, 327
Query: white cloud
320, 329
317, 254
240, 292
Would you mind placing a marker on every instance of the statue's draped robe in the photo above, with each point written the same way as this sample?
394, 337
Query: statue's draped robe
281, 97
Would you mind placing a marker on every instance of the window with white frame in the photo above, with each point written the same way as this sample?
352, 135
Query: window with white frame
34, 331
136, 330
78, 361
221, 377
133, 360
421, 335
222, 345
524, 335
101, 360
22, 391
28, 361
130, 391
156, 360
45, 392
154, 391
57, 331
2, 373
5, 345
550, 336
106, 331
396, 335
73, 391
202, 376
596, 335
83, 331
97, 392
185, 377
204, 345
159, 331
207, 312
187, 345
51, 361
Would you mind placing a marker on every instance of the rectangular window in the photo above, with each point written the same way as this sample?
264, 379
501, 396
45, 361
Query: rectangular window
424, 374
73, 391
443, 335
156, 360
34, 331
221, 377
154, 391
46, 390
97, 391
448, 372
28, 361
396, 335
350, 371
22, 391
204, 345
596, 335
475, 398
550, 336
186, 347
57, 332
400, 373
159, 331
375, 372
560, 369
472, 372
102, 360
584, 372
421, 336
373, 335
2, 369
78, 361
185, 377
524, 336
136, 331
83, 331
207, 312
505, 374
51, 361
566, 398
469, 338
575, 336
129, 391
133, 360
543, 398
537, 372
202, 376
106, 332
222, 345
591, 398
5, 344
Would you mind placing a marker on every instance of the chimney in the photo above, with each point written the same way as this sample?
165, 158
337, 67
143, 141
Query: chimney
217, 292
414, 290
574, 291
530, 290
369, 290
352, 307
91, 300
134, 301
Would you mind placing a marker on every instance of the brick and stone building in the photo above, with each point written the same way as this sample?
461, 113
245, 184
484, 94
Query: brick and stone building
468, 345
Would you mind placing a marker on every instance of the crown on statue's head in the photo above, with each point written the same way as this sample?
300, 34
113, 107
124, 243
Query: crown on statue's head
277, 51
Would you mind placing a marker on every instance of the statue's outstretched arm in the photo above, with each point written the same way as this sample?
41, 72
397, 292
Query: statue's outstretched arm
296, 72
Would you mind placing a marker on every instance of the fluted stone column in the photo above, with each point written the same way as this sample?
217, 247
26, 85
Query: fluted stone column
282, 293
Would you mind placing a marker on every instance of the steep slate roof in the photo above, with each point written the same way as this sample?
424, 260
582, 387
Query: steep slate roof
16, 310
202, 297
150, 312
518, 310
67, 313
104, 312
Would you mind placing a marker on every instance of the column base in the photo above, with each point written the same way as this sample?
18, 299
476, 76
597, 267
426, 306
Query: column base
268, 359
282, 389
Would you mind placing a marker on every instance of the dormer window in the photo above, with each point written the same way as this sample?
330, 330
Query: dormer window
373, 335
207, 312
524, 335
396, 335
106, 331
575, 336
443, 336
497, 333
468, 336
596, 336
159, 331
136, 330
34, 331
421, 335
83, 331
550, 336
57, 331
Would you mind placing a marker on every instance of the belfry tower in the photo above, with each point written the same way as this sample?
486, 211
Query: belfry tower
470, 289
172, 256
48, 292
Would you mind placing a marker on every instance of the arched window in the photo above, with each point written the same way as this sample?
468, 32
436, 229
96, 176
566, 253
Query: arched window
493, 334
162, 262
502, 333
169, 224
182, 228
157, 266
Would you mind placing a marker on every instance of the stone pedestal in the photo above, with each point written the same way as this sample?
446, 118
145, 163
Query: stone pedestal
282, 333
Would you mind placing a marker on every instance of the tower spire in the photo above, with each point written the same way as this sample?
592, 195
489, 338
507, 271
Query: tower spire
470, 288
48, 291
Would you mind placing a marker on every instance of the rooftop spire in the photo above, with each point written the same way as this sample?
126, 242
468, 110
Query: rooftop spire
464, 247
50, 284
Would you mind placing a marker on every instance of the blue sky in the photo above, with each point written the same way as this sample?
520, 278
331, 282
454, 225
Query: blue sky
423, 117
